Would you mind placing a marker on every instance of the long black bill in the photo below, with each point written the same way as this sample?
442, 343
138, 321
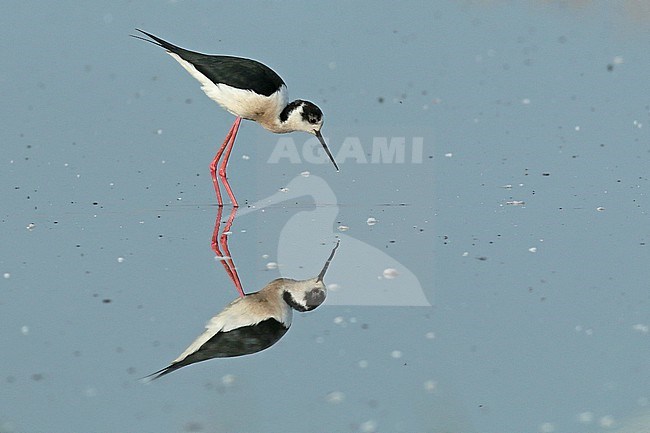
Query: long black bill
327, 263
322, 141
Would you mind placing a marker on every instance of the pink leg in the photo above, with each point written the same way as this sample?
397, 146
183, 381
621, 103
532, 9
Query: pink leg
224, 162
226, 259
225, 146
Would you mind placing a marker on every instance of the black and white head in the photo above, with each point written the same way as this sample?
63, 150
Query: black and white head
306, 295
305, 116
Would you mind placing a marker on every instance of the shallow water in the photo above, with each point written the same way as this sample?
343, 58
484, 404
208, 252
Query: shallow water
491, 206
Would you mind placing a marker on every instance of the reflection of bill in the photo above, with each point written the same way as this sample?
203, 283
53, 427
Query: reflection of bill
254, 322
364, 275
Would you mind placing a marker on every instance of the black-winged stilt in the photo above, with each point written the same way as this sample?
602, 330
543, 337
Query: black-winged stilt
254, 322
249, 90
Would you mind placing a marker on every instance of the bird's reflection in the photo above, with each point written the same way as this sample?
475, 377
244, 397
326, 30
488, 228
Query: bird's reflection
220, 247
255, 321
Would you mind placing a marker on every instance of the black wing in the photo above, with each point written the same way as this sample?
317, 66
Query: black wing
238, 342
233, 71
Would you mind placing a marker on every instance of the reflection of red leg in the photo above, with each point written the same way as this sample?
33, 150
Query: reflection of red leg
227, 147
226, 259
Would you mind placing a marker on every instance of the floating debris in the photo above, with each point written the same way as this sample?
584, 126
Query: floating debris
371, 221
600, 208
271, 265
516, 202
343, 228
532, 249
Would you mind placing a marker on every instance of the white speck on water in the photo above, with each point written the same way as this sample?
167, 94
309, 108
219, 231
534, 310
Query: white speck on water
532, 249
607, 421
637, 124
265, 256
179, 198
516, 202
448, 155
228, 379
159, 131
6, 275
343, 228
430, 335
363, 363
600, 208
333, 287
30, 226
547, 427
507, 186
397, 354
339, 320
641, 328
163, 161
245, 157
305, 174
390, 273
369, 426
430, 385
371, 221
24, 329
577, 128
271, 265
618, 60
284, 189
335, 397
585, 417
465, 254
525, 101
120, 260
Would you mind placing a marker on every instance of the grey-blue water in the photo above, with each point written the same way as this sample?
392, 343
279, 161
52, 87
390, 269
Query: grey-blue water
492, 208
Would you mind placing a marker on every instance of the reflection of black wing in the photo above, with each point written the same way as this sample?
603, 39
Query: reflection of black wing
238, 342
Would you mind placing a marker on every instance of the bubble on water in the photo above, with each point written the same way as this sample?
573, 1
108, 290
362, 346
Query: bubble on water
371, 221
335, 397
390, 273
430, 385
585, 417
606, 421
228, 379
333, 287
245, 157
6, 275
369, 426
547, 427
271, 265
